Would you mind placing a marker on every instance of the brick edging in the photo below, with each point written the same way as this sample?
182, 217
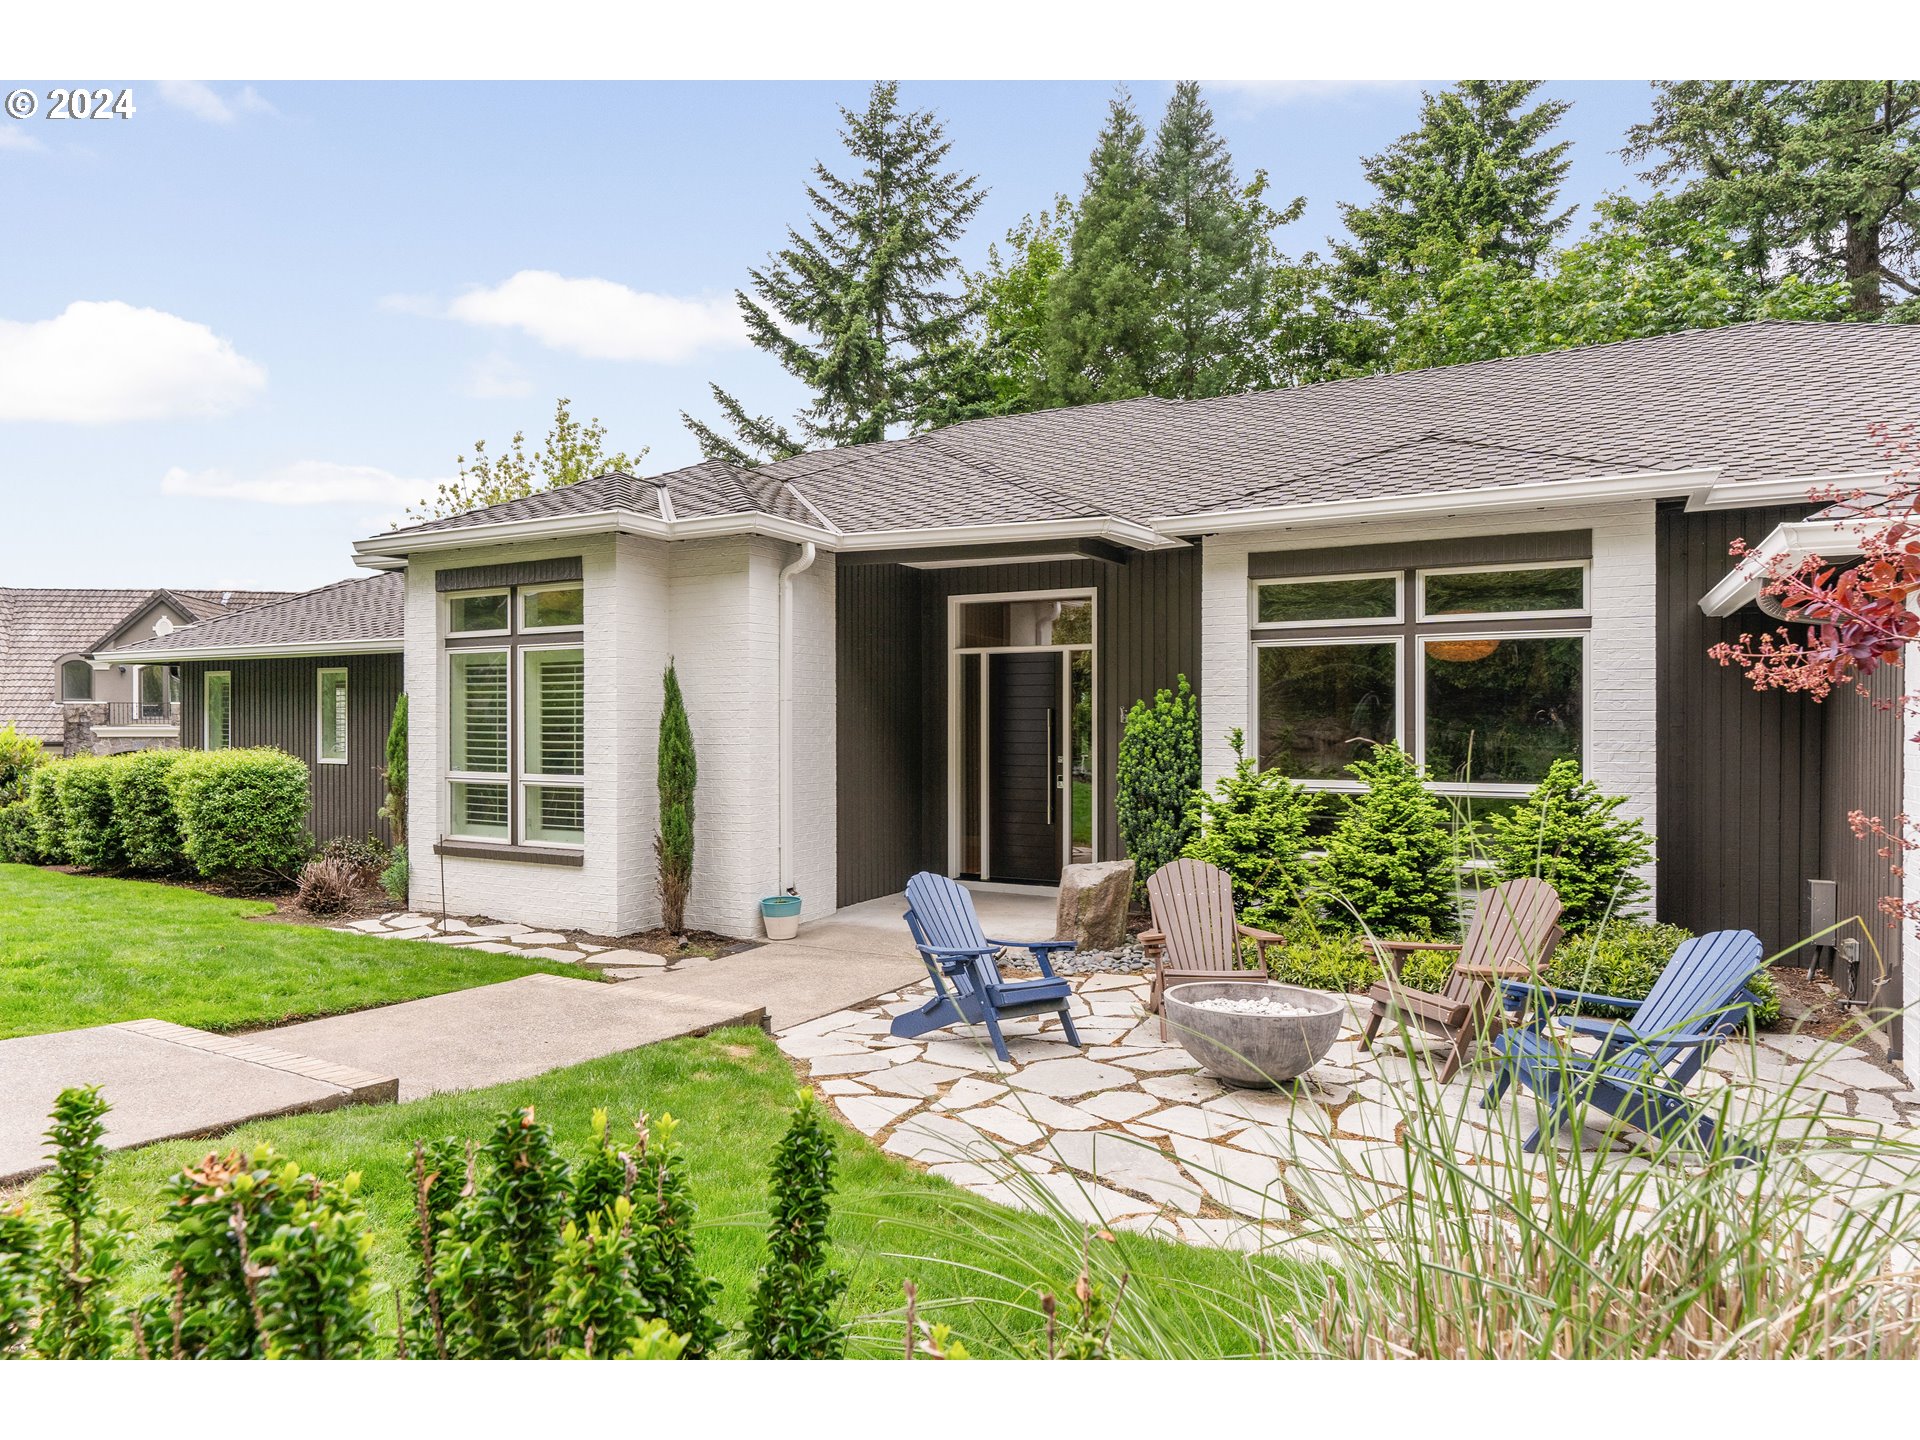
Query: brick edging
361, 1087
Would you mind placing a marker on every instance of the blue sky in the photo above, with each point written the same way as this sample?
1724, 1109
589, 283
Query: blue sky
242, 328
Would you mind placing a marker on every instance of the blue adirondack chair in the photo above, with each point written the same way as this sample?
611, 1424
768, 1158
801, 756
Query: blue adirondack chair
967, 986
1641, 1070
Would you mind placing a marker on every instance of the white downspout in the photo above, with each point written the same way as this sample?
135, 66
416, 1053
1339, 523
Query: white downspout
802, 562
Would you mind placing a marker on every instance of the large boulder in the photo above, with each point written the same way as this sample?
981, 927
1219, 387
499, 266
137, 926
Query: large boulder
1093, 904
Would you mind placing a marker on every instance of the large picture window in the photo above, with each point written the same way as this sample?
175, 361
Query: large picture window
1480, 673
517, 756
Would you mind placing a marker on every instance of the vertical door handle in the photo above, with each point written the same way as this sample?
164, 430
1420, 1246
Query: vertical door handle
1052, 762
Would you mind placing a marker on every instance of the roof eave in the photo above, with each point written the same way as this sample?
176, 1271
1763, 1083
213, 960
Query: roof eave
289, 650
1792, 542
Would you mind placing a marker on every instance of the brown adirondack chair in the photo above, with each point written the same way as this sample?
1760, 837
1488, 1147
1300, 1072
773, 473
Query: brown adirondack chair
1514, 929
1195, 934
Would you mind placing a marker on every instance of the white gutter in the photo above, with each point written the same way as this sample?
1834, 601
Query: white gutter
1634, 485
1792, 543
1798, 490
293, 649
801, 563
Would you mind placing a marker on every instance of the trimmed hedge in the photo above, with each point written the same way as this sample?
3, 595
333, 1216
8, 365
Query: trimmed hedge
1625, 957
49, 825
20, 756
19, 837
143, 810
1340, 960
243, 812
86, 810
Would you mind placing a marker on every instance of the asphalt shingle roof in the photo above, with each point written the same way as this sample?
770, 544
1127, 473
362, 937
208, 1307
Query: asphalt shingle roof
1767, 400
366, 608
39, 627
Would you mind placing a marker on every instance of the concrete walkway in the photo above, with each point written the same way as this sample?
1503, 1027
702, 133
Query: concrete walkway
165, 1082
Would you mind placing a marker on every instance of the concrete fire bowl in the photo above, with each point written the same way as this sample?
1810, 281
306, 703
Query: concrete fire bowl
1254, 1050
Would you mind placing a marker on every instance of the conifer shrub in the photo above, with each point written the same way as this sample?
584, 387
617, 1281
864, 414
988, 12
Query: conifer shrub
81, 1247
141, 788
49, 823
679, 772
1391, 863
86, 813
396, 878
1571, 835
1253, 825
394, 777
793, 1303
243, 813
1156, 772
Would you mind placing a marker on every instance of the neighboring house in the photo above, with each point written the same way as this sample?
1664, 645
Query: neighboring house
316, 675
56, 685
901, 655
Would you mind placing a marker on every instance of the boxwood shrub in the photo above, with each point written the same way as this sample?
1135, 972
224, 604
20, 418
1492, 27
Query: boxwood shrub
1624, 958
49, 825
19, 838
243, 813
1341, 960
86, 808
143, 810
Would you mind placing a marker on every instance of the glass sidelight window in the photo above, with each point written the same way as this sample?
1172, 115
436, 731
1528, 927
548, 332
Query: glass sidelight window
333, 717
217, 718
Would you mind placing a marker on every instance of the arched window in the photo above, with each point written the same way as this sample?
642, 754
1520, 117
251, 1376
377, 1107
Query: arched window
76, 680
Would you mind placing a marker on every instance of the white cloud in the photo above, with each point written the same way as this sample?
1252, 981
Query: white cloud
15, 137
203, 102
100, 362
602, 319
305, 482
1258, 94
498, 378
411, 305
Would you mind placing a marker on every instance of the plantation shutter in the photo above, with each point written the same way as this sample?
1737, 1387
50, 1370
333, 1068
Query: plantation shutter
480, 712
219, 707
556, 713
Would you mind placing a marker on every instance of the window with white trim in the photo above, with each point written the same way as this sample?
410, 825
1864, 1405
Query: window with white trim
332, 702
516, 685
76, 680
1480, 672
217, 710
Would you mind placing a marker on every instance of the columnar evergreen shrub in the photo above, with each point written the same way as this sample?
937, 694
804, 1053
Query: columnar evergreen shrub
1253, 825
19, 1278
665, 1269
1624, 958
1572, 836
395, 775
679, 773
1391, 863
1156, 772
243, 813
49, 824
792, 1316
86, 812
81, 1257
141, 787
263, 1262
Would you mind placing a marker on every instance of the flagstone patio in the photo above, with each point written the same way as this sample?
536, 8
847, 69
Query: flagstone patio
1129, 1132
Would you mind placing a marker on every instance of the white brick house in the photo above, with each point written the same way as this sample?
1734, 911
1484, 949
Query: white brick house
917, 654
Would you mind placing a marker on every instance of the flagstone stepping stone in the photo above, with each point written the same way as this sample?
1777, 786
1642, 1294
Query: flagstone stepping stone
810, 1047
850, 1064
1187, 1120
507, 930
453, 939
419, 932
1154, 1061
842, 1087
373, 926
870, 1114
1126, 1162
934, 1139
1010, 1125
548, 952
968, 1092
916, 1077
1188, 1089
1237, 1180
1371, 1119
542, 937
613, 972
1065, 1079
1087, 1201
962, 1054
1044, 1110
1117, 1105
492, 947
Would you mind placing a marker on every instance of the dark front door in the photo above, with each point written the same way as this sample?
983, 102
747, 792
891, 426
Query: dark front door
1026, 738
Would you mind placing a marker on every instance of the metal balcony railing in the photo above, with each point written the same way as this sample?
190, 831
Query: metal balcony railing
143, 712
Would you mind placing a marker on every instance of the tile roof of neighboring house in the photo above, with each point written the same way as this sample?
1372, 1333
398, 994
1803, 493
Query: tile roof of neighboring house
1767, 400
39, 627
363, 613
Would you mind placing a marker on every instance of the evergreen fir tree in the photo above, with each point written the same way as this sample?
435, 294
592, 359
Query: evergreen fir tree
1476, 178
854, 307
1572, 835
1390, 863
1212, 251
1101, 326
1156, 773
1253, 825
679, 772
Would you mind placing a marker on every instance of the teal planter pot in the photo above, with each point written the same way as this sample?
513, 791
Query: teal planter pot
781, 915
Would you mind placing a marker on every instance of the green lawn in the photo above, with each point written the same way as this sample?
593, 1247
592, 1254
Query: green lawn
975, 1264
80, 950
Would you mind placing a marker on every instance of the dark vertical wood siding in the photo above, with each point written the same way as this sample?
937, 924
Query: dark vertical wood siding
276, 702
1740, 803
1863, 763
892, 624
